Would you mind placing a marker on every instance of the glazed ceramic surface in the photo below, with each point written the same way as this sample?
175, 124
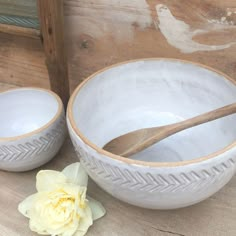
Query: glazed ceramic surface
32, 128
179, 171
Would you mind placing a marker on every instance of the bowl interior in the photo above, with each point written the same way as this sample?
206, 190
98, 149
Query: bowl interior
150, 93
25, 110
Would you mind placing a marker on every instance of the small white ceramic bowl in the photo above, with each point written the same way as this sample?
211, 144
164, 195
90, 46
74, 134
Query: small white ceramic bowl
32, 128
179, 171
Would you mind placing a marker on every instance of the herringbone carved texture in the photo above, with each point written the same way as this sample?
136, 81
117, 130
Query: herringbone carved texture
191, 181
34, 147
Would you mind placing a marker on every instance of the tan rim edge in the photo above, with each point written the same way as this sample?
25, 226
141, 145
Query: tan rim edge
36, 131
136, 162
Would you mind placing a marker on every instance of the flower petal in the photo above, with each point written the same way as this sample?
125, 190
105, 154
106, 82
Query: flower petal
97, 209
79, 233
85, 222
69, 231
35, 226
76, 174
47, 180
26, 205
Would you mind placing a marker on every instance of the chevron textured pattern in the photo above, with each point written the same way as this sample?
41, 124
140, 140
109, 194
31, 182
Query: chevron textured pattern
191, 181
33, 147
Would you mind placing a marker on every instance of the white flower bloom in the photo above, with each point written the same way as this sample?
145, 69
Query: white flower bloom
60, 206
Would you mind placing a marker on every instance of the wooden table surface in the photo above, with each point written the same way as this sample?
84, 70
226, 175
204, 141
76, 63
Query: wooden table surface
215, 216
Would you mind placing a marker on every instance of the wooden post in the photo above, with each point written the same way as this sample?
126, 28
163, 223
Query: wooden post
52, 32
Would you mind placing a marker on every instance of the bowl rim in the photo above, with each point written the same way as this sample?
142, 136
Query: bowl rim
43, 127
77, 131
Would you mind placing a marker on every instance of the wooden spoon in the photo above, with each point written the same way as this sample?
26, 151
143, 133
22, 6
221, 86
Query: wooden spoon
133, 142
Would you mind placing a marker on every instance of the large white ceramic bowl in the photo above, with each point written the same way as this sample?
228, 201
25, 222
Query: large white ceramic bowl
179, 171
32, 128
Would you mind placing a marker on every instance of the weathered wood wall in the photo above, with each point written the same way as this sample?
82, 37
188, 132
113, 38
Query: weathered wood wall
22, 61
102, 32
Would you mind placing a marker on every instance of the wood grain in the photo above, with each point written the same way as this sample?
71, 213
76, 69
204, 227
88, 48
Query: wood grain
100, 33
22, 61
5, 86
104, 32
52, 29
20, 31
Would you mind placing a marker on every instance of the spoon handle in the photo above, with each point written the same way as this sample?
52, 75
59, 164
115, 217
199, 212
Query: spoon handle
206, 117
156, 134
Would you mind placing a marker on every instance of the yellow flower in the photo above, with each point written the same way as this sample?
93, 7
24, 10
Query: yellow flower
60, 206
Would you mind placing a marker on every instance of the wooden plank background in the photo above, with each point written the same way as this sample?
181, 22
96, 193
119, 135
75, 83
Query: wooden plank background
102, 32
22, 61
